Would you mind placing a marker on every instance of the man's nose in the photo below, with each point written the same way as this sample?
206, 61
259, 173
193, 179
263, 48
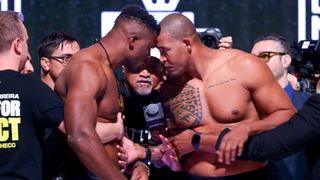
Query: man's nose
30, 69
163, 59
144, 73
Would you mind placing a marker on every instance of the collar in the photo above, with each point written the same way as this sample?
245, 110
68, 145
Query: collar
289, 90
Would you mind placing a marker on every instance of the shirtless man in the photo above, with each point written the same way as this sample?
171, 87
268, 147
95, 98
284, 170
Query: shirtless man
208, 90
90, 90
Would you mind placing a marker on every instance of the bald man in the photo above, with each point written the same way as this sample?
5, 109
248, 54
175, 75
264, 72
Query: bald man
209, 89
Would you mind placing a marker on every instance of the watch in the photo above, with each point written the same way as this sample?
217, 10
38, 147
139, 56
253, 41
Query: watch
196, 141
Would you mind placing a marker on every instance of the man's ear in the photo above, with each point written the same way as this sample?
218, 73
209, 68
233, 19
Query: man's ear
132, 41
187, 44
45, 63
17, 46
286, 60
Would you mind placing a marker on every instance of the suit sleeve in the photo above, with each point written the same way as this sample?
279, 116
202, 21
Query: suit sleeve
301, 130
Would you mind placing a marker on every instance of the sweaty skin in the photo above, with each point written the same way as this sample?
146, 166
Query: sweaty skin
90, 94
212, 104
208, 90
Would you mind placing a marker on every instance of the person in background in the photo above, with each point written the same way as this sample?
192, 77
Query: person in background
30, 104
275, 51
55, 51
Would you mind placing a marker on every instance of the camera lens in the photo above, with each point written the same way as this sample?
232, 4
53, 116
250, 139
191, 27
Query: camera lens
210, 37
209, 41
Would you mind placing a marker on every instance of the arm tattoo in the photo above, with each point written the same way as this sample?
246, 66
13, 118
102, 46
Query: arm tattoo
183, 106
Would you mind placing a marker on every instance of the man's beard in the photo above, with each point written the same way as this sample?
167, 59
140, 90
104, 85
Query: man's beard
143, 91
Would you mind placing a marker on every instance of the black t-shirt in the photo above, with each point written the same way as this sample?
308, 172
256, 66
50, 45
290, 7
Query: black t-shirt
26, 106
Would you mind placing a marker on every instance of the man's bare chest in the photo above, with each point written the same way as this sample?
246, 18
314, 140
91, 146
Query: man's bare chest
198, 104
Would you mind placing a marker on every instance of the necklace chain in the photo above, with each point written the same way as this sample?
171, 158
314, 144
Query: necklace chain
120, 98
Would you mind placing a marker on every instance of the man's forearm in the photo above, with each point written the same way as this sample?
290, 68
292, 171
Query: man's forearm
270, 122
208, 142
92, 154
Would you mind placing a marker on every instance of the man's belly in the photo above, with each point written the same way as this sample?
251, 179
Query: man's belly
205, 164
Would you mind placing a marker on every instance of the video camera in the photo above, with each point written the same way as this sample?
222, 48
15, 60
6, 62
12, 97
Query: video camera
306, 63
306, 58
210, 37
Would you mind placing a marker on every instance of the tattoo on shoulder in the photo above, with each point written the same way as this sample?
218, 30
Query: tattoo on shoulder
183, 106
221, 83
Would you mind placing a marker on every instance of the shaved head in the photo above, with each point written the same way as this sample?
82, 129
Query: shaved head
178, 26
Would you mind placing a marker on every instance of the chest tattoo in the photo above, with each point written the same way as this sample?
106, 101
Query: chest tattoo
184, 106
222, 82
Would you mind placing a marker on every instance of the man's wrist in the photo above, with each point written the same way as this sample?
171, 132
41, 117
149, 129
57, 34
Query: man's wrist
141, 151
147, 159
195, 141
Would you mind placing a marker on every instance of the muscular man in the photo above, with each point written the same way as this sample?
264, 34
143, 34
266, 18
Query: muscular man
90, 88
275, 51
210, 89
55, 51
27, 105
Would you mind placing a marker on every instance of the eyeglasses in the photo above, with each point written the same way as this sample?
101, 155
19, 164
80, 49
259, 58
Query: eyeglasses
266, 56
64, 60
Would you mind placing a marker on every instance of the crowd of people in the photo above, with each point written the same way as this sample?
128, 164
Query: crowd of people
183, 111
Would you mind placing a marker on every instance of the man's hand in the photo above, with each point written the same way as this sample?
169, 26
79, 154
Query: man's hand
233, 142
140, 171
134, 151
123, 157
182, 142
169, 157
225, 42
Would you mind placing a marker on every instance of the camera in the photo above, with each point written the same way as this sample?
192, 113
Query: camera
154, 116
306, 63
210, 37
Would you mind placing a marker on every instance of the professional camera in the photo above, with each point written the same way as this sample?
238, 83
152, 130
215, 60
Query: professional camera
210, 37
154, 116
306, 63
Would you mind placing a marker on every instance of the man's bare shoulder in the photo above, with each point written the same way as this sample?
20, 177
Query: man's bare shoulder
85, 66
238, 60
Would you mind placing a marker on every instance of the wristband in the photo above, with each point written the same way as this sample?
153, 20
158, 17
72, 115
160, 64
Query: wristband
220, 137
195, 141
148, 155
